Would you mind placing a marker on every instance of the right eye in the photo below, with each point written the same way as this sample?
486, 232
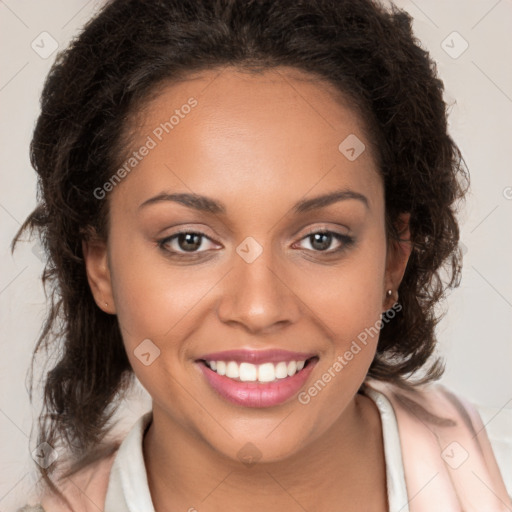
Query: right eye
184, 242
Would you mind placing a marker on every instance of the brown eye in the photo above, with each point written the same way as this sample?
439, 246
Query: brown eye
185, 242
322, 241
189, 241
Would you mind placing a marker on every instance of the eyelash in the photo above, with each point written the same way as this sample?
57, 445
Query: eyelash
346, 241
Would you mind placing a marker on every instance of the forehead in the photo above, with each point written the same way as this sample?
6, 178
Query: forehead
227, 130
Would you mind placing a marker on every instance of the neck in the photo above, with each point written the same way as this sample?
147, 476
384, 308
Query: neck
344, 466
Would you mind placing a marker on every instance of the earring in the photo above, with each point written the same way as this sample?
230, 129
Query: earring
389, 293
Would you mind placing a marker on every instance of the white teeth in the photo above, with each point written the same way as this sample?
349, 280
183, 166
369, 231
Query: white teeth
232, 370
248, 372
281, 370
221, 367
266, 372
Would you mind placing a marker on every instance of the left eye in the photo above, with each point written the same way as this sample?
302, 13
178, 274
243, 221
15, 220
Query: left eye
321, 241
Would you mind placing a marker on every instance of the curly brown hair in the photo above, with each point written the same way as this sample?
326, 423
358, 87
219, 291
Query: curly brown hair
130, 49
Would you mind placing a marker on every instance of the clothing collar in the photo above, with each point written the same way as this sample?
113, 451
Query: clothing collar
128, 488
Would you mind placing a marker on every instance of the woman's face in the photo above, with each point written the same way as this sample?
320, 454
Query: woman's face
254, 168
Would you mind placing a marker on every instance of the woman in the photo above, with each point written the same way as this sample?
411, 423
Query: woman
249, 207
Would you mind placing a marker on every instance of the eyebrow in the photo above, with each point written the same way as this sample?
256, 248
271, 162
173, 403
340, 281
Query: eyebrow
209, 205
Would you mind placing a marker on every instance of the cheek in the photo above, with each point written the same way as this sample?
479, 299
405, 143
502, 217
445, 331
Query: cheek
348, 297
348, 302
154, 303
151, 295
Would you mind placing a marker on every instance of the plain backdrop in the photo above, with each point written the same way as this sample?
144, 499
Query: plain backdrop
470, 42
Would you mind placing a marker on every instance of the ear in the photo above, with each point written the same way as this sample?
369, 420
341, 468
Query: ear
98, 272
397, 256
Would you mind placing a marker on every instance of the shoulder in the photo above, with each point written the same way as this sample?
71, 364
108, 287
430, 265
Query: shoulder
498, 425
446, 432
84, 490
435, 404
438, 409
431, 404
89, 488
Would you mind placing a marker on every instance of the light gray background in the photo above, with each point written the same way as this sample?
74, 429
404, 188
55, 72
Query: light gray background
474, 337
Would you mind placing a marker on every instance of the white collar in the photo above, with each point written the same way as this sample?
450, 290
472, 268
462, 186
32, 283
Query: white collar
395, 474
128, 489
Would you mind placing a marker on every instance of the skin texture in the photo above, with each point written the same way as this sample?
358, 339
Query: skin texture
258, 143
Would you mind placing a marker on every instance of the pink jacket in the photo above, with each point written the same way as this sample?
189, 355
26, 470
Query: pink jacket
448, 460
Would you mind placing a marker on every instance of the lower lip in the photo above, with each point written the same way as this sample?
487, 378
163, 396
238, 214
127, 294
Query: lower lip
257, 394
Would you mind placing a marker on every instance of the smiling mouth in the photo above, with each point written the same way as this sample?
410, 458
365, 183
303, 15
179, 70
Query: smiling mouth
263, 373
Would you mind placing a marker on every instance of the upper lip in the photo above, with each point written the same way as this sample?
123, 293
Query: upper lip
257, 356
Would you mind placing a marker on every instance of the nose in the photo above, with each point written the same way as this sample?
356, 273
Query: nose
257, 295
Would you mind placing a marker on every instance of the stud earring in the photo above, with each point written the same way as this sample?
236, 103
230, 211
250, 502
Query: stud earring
389, 293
